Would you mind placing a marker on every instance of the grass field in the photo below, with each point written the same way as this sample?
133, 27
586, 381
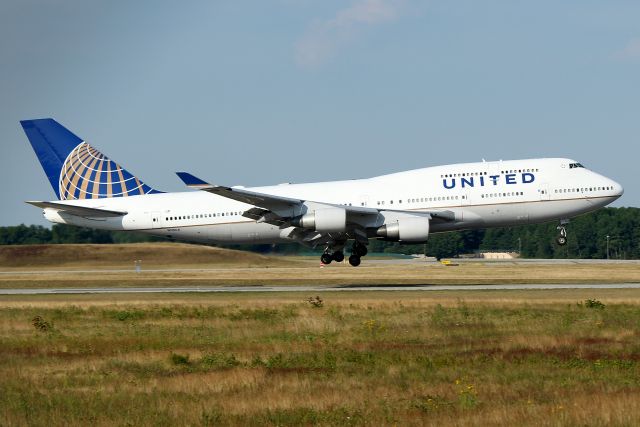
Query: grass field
375, 358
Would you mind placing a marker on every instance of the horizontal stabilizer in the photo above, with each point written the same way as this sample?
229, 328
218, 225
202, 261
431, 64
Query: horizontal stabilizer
82, 211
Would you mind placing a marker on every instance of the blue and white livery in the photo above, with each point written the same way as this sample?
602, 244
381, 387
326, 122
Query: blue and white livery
94, 191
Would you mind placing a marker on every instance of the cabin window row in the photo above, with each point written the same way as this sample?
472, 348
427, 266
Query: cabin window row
454, 175
425, 199
197, 216
577, 190
504, 172
508, 194
518, 171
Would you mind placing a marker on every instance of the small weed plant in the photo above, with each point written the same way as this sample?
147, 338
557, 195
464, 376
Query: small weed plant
433, 403
594, 303
41, 325
179, 359
316, 302
372, 326
467, 395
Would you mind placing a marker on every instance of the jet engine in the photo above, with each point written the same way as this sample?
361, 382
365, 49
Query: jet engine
325, 220
409, 229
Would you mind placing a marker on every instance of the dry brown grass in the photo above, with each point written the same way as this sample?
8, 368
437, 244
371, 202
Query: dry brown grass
377, 358
153, 255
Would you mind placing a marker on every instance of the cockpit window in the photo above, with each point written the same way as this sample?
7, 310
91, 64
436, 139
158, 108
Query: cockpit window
575, 165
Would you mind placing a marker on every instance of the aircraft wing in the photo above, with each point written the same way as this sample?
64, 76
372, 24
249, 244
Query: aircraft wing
283, 211
82, 211
267, 201
267, 204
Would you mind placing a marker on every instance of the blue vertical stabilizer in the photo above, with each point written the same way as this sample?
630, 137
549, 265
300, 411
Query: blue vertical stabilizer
75, 169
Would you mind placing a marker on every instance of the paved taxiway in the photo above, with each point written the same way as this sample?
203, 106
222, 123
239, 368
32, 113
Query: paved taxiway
305, 288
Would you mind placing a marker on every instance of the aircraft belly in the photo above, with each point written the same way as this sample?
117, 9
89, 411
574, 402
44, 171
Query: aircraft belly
503, 215
253, 232
558, 209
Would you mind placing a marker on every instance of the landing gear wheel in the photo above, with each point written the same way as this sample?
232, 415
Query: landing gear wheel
354, 260
561, 240
359, 249
338, 256
326, 258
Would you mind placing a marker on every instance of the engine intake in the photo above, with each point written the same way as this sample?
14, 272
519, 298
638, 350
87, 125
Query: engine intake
323, 220
410, 229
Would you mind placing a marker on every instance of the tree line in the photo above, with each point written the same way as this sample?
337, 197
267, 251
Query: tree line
587, 238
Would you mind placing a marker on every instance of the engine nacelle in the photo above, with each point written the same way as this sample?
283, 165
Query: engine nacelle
323, 220
409, 229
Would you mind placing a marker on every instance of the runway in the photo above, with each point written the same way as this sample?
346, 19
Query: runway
305, 288
370, 262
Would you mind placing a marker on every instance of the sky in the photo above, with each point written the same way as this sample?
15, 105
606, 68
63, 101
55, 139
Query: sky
265, 92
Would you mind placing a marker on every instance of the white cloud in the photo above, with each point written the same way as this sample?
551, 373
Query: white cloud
630, 51
323, 38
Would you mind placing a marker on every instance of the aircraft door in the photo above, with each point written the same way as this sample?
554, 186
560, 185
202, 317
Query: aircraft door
543, 192
364, 200
156, 220
464, 199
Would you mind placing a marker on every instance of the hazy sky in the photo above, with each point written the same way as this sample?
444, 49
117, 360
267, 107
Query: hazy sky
263, 92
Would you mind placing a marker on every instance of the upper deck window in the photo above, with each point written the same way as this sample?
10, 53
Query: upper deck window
575, 165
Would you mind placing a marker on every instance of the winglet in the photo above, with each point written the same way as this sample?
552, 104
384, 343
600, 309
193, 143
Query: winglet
192, 181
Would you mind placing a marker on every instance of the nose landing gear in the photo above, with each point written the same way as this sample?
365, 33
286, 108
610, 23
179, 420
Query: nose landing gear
561, 239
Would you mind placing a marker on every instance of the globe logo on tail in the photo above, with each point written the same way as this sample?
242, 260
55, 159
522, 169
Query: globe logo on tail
89, 174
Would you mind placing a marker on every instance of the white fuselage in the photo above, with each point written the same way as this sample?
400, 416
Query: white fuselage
484, 194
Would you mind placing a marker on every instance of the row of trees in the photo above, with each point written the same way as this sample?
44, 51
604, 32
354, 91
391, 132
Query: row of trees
587, 238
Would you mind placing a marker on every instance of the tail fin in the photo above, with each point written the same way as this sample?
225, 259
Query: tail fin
75, 169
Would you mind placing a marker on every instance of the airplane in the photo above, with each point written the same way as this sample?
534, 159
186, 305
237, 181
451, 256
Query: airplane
94, 191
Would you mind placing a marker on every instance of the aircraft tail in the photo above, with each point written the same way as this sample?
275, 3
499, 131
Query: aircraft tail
75, 169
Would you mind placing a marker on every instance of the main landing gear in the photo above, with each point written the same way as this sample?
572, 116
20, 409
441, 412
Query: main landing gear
357, 251
327, 257
561, 240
